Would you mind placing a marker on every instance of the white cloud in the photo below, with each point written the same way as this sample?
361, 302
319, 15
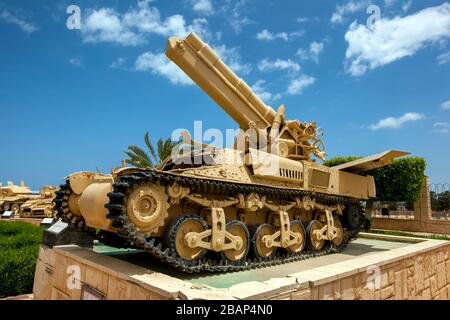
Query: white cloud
76, 61
297, 85
389, 3
131, 27
315, 48
406, 5
444, 58
302, 19
394, 123
202, 6
266, 35
160, 65
394, 39
307, 19
445, 105
233, 12
263, 94
267, 65
442, 127
232, 58
119, 62
339, 16
238, 23
8, 17
105, 25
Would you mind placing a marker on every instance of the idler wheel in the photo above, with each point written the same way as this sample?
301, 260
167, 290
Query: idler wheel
312, 241
177, 236
352, 217
237, 228
297, 227
259, 247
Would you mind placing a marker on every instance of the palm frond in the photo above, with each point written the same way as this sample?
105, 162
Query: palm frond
150, 146
131, 156
160, 146
139, 156
167, 149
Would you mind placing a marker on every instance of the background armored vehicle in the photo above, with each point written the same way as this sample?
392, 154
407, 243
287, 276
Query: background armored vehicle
266, 201
40, 207
13, 196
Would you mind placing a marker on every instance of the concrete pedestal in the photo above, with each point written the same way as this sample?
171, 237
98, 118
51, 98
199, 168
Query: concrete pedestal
372, 267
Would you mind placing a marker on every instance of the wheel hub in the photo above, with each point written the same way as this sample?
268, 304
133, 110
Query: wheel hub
147, 206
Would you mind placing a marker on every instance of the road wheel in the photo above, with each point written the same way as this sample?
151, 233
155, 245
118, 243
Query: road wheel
312, 241
177, 233
297, 227
15, 208
259, 247
237, 228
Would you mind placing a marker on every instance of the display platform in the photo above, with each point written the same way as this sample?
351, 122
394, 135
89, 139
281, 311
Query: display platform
372, 267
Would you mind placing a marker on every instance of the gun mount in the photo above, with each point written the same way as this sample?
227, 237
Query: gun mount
293, 139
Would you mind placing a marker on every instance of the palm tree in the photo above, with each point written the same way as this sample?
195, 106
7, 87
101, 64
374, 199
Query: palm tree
141, 159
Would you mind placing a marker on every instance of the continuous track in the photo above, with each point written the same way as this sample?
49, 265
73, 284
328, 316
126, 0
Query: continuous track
129, 233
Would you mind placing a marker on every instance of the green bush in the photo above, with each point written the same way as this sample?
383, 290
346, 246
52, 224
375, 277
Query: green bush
400, 181
367, 224
440, 201
339, 160
19, 244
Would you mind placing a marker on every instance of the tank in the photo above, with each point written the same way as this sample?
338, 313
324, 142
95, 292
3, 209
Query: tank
265, 201
12, 196
40, 207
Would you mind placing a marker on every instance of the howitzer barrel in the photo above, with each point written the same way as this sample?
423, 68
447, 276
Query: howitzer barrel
210, 73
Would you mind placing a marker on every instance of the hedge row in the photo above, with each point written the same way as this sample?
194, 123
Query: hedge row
339, 160
19, 244
400, 181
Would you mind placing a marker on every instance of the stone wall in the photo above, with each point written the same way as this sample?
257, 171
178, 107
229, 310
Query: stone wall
56, 277
419, 270
422, 221
424, 276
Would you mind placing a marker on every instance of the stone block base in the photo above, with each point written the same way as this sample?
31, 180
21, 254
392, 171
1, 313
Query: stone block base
418, 270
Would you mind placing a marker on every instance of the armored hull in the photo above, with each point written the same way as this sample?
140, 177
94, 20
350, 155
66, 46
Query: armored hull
12, 197
215, 217
41, 206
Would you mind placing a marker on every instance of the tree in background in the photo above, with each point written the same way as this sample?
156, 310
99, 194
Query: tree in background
440, 201
139, 158
400, 181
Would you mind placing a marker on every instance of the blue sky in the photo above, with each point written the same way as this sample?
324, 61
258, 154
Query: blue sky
73, 100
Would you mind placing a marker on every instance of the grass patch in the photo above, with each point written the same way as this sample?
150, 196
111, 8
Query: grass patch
408, 234
19, 244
